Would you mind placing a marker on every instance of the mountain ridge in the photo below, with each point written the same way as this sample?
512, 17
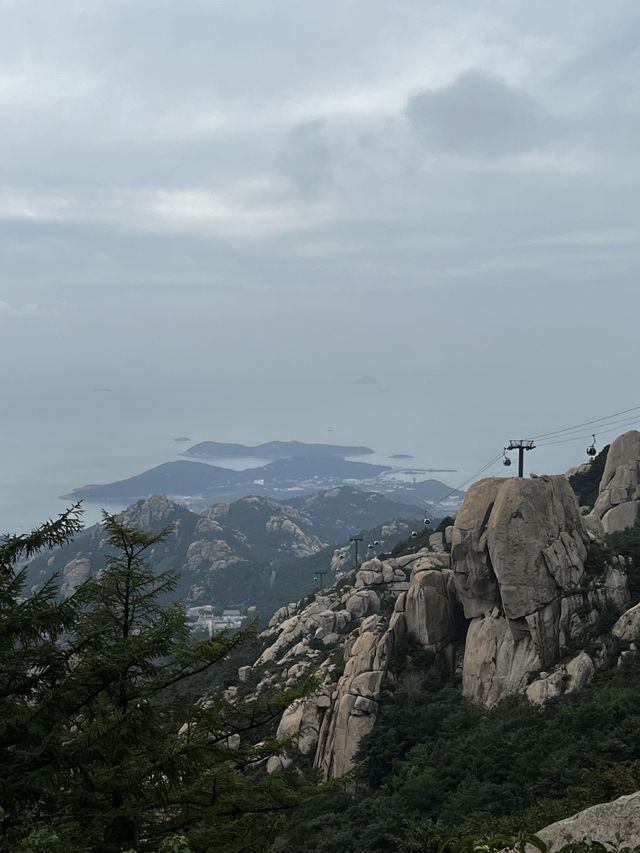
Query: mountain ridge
251, 551
273, 450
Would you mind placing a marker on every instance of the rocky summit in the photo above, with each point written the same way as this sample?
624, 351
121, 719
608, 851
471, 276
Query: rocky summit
505, 600
254, 551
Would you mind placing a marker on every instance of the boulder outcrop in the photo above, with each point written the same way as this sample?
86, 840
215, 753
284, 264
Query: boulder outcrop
615, 824
518, 555
476, 582
74, 573
618, 504
430, 608
355, 701
510, 608
627, 628
496, 662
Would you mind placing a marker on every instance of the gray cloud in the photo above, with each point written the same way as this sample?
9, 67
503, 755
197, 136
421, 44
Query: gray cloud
478, 112
306, 156
365, 187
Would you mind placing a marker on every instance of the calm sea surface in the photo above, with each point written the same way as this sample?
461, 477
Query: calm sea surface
43, 459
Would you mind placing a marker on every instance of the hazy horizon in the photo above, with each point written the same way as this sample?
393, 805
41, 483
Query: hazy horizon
228, 214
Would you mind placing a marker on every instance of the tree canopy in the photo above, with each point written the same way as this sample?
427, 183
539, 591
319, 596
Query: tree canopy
101, 751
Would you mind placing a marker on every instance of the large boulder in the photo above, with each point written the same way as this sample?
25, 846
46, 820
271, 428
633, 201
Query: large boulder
518, 554
615, 824
430, 609
476, 583
618, 502
536, 542
621, 517
566, 678
496, 663
354, 704
627, 628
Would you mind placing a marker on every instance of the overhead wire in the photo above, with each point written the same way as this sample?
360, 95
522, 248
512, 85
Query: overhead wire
586, 423
565, 435
610, 428
482, 470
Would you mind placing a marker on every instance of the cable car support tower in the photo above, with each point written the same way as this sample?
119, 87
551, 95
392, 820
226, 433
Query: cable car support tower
521, 445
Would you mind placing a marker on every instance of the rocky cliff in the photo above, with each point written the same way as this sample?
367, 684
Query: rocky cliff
615, 825
618, 503
505, 605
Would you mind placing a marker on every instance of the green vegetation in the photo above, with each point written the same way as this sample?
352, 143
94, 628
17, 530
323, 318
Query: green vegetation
437, 767
266, 573
586, 483
101, 749
625, 543
108, 746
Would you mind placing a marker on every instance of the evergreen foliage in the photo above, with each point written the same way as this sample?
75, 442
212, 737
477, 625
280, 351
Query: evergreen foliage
586, 483
624, 543
107, 747
101, 751
436, 767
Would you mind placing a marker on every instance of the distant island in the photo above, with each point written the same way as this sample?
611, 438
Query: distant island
291, 468
273, 450
401, 456
182, 438
211, 482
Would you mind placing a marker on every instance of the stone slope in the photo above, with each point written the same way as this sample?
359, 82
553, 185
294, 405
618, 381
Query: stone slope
618, 503
253, 551
615, 824
250, 529
510, 610
518, 552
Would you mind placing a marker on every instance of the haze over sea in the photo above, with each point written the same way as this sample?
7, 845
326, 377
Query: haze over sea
128, 370
104, 447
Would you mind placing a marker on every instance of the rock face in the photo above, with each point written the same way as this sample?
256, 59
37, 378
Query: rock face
349, 642
496, 664
354, 707
627, 628
74, 573
536, 543
615, 824
431, 612
212, 554
509, 608
476, 582
517, 544
618, 502
518, 557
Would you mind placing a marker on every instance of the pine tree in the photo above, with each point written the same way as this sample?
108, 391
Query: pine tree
33, 660
129, 762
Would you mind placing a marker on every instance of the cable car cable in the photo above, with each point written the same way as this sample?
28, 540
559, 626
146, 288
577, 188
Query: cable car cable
586, 423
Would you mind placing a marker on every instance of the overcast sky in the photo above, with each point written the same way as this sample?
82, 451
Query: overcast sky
187, 186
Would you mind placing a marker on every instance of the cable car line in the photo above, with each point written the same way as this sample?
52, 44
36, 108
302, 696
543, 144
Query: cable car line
608, 428
604, 427
586, 423
606, 424
467, 481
